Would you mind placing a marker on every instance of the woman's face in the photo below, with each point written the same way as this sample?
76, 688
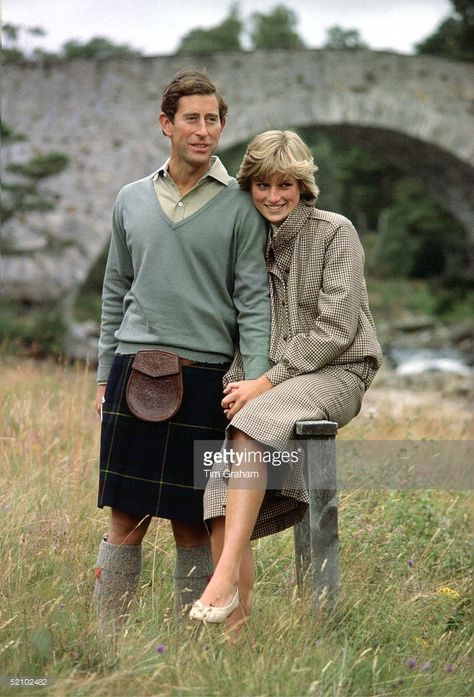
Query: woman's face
275, 197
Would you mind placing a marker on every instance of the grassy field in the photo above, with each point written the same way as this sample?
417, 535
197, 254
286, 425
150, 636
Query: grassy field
402, 625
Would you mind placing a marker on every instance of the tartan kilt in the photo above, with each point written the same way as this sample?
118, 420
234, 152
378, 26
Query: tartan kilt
146, 468
334, 393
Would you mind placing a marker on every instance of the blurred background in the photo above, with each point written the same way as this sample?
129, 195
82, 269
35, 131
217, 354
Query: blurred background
380, 91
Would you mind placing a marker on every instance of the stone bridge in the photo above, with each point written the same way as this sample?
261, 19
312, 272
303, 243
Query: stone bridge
417, 112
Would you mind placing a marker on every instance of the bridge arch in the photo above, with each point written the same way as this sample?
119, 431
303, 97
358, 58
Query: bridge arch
415, 111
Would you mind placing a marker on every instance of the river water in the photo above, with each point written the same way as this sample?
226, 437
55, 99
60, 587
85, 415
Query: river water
411, 361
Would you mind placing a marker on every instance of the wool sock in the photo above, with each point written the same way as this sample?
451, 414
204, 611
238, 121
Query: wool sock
117, 575
193, 570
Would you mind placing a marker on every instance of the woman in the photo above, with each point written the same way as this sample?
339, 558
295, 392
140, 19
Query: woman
324, 354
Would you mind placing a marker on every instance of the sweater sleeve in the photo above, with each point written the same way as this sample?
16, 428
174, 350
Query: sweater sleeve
251, 294
338, 307
117, 282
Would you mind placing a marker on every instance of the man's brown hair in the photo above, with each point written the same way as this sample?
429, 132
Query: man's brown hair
186, 83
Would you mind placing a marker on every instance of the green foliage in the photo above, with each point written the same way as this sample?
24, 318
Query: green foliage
419, 238
454, 298
275, 29
22, 193
37, 31
342, 39
365, 184
8, 135
223, 37
97, 47
11, 34
397, 298
454, 37
12, 55
353, 180
32, 330
41, 327
40, 166
415, 236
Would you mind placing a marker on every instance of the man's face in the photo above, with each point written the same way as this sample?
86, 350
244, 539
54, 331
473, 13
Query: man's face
195, 131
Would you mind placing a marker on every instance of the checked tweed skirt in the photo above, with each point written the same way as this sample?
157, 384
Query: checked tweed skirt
334, 393
147, 468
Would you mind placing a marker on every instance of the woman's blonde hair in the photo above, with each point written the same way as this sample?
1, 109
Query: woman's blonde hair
279, 152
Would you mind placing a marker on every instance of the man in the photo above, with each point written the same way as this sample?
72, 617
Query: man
185, 274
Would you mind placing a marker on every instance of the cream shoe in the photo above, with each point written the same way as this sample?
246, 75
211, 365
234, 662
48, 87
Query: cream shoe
209, 613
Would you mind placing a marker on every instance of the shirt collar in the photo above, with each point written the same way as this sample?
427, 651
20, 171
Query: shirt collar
216, 171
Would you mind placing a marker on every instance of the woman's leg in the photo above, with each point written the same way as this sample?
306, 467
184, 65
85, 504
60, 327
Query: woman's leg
246, 573
231, 540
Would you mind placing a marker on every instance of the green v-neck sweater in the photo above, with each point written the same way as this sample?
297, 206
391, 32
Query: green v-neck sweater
197, 287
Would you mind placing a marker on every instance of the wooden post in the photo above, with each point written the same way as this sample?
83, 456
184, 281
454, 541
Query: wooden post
316, 537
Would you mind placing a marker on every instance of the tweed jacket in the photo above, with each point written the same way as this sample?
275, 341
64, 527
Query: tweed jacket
319, 304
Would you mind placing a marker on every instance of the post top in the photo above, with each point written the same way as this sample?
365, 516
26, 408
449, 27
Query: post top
315, 428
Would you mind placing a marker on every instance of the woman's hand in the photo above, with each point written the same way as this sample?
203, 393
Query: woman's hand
241, 392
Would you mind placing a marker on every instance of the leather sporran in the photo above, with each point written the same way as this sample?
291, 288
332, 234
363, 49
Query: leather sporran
155, 386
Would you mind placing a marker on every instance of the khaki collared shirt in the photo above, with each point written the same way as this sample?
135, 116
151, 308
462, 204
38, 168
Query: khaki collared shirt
178, 207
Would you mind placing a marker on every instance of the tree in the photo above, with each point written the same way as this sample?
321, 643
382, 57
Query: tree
223, 37
420, 239
97, 47
276, 29
365, 184
11, 34
22, 192
37, 329
454, 38
343, 39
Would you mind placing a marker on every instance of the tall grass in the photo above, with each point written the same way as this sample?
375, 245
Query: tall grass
400, 627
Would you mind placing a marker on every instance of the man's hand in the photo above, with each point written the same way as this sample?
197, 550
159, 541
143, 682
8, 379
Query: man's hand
241, 392
99, 400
